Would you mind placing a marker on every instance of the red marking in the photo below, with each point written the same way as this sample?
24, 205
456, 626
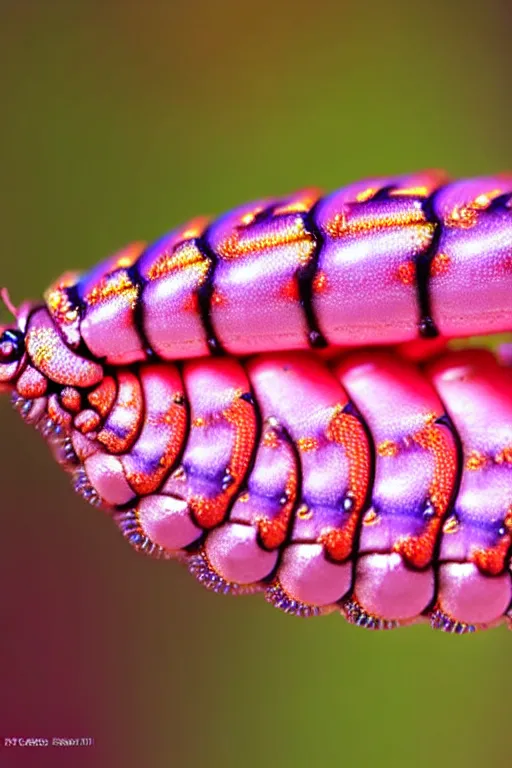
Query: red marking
347, 431
209, 512
406, 273
421, 349
440, 265
273, 532
492, 560
290, 290
437, 440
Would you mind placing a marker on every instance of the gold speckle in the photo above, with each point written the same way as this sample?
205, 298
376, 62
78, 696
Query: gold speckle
199, 422
387, 448
218, 299
451, 525
342, 225
371, 518
185, 256
305, 444
270, 439
483, 201
366, 194
256, 240
304, 512
116, 284
179, 474
462, 216
320, 282
409, 192
475, 461
244, 497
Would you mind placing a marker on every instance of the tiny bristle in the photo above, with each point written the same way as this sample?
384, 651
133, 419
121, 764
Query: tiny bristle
128, 523
276, 596
356, 614
441, 621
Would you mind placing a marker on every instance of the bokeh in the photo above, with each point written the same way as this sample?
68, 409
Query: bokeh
120, 119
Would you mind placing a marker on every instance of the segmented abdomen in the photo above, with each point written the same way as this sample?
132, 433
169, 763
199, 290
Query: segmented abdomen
378, 262
364, 484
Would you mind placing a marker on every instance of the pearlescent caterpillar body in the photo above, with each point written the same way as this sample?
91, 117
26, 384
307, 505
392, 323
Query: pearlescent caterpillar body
359, 481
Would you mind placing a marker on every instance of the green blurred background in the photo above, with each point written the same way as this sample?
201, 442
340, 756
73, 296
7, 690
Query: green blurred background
118, 121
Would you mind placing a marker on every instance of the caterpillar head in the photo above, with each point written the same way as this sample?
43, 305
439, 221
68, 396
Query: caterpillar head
12, 351
12, 347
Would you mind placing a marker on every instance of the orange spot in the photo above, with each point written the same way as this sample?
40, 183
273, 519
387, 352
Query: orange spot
71, 400
306, 444
436, 440
407, 273
209, 512
504, 456
102, 398
475, 461
440, 264
371, 518
290, 290
348, 432
491, 561
320, 283
270, 439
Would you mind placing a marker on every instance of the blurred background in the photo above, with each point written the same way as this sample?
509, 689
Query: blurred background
118, 121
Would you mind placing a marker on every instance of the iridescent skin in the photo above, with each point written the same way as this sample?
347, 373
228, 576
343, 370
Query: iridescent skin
343, 486
382, 261
360, 484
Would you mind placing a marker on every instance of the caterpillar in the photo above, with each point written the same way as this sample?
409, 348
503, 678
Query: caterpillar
200, 390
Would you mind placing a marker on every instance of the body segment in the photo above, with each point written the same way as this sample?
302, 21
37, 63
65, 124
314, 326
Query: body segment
363, 484
378, 262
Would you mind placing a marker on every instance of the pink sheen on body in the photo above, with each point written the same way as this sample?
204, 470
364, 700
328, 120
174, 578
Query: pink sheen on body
366, 484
